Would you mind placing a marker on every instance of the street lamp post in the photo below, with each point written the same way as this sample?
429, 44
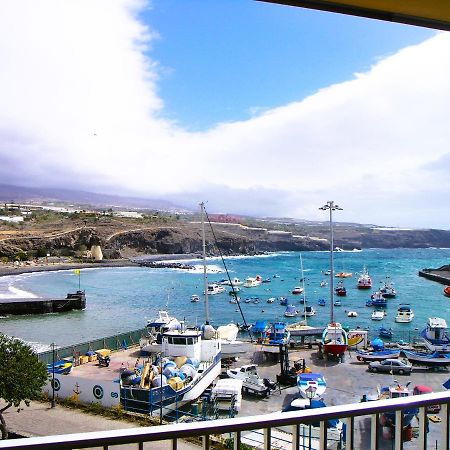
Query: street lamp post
331, 206
53, 404
310, 392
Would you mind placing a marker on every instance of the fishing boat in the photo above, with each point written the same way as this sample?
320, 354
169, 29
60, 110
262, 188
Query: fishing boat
379, 355
290, 311
195, 298
297, 290
340, 290
271, 300
377, 315
259, 328
388, 289
311, 382
321, 302
434, 359
396, 390
214, 289
447, 291
334, 340
385, 332
309, 311
283, 301
156, 327
364, 280
435, 334
377, 299
302, 328
404, 314
236, 282
276, 335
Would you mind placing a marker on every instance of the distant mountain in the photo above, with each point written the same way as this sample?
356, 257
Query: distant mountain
21, 194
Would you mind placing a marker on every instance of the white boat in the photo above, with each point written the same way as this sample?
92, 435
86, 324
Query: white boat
309, 311
335, 340
252, 282
323, 283
352, 314
388, 289
435, 335
337, 302
405, 314
311, 382
234, 282
378, 315
364, 280
156, 327
214, 289
195, 298
297, 290
290, 311
271, 300
229, 344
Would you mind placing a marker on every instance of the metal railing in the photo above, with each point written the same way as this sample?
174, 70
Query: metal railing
290, 420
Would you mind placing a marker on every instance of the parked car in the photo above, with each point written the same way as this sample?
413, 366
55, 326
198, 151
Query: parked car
422, 389
391, 366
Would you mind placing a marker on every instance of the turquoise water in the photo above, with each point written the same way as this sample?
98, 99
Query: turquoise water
122, 299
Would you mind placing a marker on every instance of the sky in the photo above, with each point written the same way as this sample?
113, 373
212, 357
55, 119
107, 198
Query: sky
256, 108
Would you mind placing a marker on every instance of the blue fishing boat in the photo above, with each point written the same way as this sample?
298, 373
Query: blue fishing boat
379, 355
277, 335
435, 336
283, 301
385, 332
378, 300
313, 382
321, 302
435, 359
259, 328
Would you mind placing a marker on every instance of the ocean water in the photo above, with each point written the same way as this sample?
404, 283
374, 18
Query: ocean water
122, 299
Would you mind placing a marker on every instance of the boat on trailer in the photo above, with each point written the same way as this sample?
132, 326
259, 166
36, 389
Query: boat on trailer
380, 355
434, 359
435, 334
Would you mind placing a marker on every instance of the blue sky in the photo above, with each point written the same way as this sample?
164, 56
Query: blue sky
222, 60
257, 108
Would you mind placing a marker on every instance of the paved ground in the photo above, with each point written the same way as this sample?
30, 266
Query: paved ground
346, 383
41, 420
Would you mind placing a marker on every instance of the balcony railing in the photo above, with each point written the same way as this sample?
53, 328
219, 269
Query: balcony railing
293, 421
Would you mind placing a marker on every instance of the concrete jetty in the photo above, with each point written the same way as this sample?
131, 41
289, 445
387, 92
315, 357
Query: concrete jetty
20, 306
441, 275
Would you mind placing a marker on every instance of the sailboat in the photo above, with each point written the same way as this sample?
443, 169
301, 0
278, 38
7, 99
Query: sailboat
334, 337
302, 327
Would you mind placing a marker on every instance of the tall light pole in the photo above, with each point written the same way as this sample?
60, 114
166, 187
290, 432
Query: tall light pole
330, 205
205, 275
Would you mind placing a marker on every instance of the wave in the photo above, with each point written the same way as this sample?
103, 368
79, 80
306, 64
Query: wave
13, 292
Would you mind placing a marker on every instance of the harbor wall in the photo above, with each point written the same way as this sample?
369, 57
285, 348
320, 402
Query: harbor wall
84, 390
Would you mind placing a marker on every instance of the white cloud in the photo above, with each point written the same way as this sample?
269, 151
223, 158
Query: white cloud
79, 107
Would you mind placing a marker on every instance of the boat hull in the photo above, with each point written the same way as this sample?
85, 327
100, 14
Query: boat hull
377, 356
427, 360
335, 349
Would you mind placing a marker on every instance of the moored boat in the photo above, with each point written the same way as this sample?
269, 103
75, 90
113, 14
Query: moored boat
344, 275
290, 311
385, 332
214, 289
340, 290
337, 302
405, 314
297, 290
309, 311
447, 291
321, 302
377, 299
352, 314
252, 282
388, 289
435, 334
364, 280
377, 315
195, 298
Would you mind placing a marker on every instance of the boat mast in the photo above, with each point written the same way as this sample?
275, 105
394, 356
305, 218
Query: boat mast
331, 207
205, 276
303, 286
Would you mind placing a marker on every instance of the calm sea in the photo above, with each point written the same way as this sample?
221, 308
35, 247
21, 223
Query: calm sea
122, 299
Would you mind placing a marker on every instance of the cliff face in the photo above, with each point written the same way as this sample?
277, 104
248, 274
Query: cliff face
186, 238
